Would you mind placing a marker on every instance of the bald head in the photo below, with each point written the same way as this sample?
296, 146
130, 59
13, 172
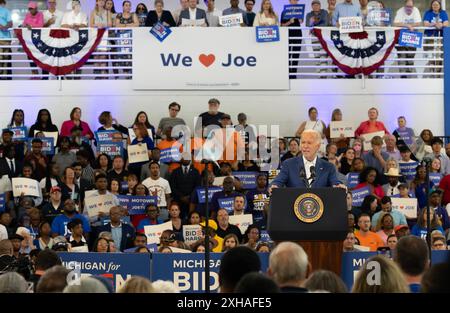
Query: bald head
310, 143
288, 264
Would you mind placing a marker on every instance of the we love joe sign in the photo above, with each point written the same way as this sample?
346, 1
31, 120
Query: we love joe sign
210, 58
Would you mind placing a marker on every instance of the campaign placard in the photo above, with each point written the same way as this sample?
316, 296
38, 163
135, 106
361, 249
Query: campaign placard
248, 179
160, 31
96, 204
435, 178
192, 233
2, 202
104, 135
211, 191
153, 232
273, 174
25, 186
267, 33
153, 247
48, 145
19, 133
345, 128
410, 39
136, 204
137, 153
110, 148
350, 24
408, 169
53, 135
226, 203
170, 155
231, 20
379, 17
368, 138
241, 221
352, 179
407, 206
294, 11
359, 195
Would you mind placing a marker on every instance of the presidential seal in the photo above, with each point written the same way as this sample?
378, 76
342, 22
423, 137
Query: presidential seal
308, 208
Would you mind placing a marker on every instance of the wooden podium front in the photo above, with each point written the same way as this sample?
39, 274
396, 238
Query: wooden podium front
324, 255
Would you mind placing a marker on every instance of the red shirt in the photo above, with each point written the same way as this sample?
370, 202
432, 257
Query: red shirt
368, 127
445, 186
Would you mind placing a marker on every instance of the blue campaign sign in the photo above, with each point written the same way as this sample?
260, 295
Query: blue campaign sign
265, 237
435, 178
124, 185
152, 247
410, 39
408, 169
2, 202
351, 263
187, 270
359, 195
170, 155
352, 179
104, 135
211, 191
19, 133
136, 204
267, 33
293, 11
226, 203
160, 31
110, 148
48, 146
248, 179
118, 267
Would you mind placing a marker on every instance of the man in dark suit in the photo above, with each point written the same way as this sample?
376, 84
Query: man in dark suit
192, 11
9, 164
183, 181
122, 234
307, 170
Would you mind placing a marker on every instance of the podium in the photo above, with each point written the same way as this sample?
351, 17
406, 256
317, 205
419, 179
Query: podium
315, 218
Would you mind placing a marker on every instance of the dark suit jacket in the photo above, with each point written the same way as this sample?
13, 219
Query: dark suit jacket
200, 14
5, 169
183, 185
152, 18
289, 175
127, 235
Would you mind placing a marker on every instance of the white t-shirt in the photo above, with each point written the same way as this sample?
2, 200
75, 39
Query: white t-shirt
5, 184
53, 181
159, 188
70, 18
3, 232
58, 15
402, 17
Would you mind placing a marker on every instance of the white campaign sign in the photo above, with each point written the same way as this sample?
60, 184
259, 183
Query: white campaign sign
350, 24
241, 221
153, 232
97, 204
27, 186
191, 233
342, 127
203, 59
137, 153
368, 138
407, 206
231, 20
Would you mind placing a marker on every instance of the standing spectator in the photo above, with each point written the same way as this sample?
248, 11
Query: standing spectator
314, 123
366, 237
342, 143
100, 18
74, 19
266, 16
43, 123
246, 131
419, 186
405, 135
249, 4
37, 159
142, 117
160, 188
385, 227
391, 188
386, 207
142, 138
376, 157
372, 125
33, 19
211, 117
76, 239
171, 121
294, 43
345, 9
52, 16
159, 15
75, 120
441, 212
109, 123
330, 10
407, 17
88, 171
228, 192
54, 206
192, 13
212, 14
235, 9
5, 24
184, 4
364, 10
420, 229
169, 145
10, 165
346, 161
142, 12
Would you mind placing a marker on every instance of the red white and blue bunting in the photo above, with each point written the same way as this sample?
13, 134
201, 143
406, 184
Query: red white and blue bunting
358, 53
59, 51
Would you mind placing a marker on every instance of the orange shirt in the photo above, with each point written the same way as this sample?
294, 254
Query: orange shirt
369, 239
168, 144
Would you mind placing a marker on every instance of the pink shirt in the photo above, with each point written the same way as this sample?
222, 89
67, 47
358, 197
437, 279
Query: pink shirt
68, 125
35, 21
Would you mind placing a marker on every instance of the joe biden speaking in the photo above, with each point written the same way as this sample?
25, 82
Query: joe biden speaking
307, 170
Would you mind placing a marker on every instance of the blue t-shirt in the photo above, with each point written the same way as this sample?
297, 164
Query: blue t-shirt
422, 231
59, 224
256, 200
5, 18
432, 17
146, 222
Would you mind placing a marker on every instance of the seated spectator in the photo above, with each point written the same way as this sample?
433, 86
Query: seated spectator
358, 146
44, 239
266, 16
401, 231
252, 236
228, 192
152, 218
230, 241
386, 207
439, 243
137, 285
37, 159
376, 157
372, 125
248, 165
64, 158
224, 227
346, 161
349, 241
420, 228
235, 9
159, 15
413, 259
322, 280
103, 162
370, 177
391, 188
59, 224
193, 218
344, 9
441, 212
391, 242
101, 245
391, 147
140, 240
294, 150
177, 222
217, 242
390, 275
76, 238
369, 205
366, 237
122, 234
385, 226
439, 153
118, 170
192, 13
142, 11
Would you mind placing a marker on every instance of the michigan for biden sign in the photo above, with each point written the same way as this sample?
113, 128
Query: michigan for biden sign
210, 59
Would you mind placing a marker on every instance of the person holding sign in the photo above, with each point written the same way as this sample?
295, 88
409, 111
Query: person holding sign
142, 138
193, 16
235, 9
171, 150
345, 9
75, 120
342, 142
420, 228
370, 177
151, 219
109, 123
372, 125
266, 16
294, 43
43, 124
17, 119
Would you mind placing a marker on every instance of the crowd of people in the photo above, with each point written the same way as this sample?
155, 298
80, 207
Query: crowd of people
105, 15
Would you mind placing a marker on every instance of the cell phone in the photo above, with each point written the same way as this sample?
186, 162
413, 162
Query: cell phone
386, 251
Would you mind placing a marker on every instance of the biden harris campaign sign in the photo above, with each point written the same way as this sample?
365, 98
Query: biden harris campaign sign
217, 58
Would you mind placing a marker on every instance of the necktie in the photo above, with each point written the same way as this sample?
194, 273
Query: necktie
392, 191
11, 163
185, 170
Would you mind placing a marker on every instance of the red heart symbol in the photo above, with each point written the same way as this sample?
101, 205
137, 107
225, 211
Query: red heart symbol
207, 60
402, 207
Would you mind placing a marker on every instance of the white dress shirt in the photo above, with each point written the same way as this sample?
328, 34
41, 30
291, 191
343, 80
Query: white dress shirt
192, 14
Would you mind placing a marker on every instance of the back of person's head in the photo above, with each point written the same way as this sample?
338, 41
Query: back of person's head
86, 285
164, 286
234, 264
411, 254
254, 282
325, 281
137, 284
288, 262
380, 275
53, 280
6, 247
46, 259
13, 283
437, 279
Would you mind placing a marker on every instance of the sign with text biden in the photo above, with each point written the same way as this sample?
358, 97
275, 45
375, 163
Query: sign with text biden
210, 59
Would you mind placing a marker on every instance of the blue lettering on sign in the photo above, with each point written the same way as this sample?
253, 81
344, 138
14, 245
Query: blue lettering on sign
48, 146
211, 191
226, 203
104, 135
359, 195
110, 148
408, 170
19, 133
136, 204
160, 31
352, 179
293, 11
248, 179
178, 59
435, 178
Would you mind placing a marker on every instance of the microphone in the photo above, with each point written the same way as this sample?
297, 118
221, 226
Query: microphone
312, 171
303, 177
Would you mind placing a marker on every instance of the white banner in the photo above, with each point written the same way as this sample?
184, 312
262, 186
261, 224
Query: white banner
241, 221
350, 24
191, 233
97, 204
216, 58
25, 186
407, 206
137, 153
231, 20
368, 138
153, 232
338, 128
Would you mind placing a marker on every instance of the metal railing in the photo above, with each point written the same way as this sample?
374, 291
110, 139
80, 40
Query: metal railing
113, 59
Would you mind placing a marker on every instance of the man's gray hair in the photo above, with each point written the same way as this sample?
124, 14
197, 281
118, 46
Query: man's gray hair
313, 133
288, 262
86, 285
12, 283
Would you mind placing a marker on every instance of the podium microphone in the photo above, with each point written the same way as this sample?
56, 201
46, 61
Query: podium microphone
312, 171
303, 177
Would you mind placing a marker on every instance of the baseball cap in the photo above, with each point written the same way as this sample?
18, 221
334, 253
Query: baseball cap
315, 1
398, 227
211, 224
214, 100
7, 131
225, 117
55, 189
32, 5
16, 236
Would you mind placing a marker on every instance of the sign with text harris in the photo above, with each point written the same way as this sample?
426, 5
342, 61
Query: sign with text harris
209, 59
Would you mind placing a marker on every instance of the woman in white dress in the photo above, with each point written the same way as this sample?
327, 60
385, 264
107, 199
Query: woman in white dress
316, 124
266, 16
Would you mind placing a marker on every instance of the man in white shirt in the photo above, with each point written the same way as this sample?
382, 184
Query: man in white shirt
212, 14
160, 188
52, 16
74, 19
192, 16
